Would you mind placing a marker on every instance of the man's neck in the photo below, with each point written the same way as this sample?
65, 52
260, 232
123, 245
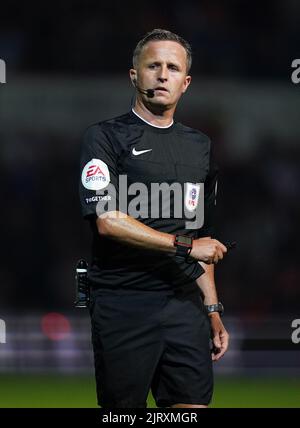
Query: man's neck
163, 119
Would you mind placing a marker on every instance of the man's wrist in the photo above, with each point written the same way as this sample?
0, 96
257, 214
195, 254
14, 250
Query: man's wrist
214, 315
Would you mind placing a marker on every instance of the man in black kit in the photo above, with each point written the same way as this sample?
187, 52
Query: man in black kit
154, 305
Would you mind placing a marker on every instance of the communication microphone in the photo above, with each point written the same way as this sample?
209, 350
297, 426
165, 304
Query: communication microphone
149, 92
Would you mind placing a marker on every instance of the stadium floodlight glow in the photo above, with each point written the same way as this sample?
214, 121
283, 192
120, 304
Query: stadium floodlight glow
55, 326
2, 331
2, 71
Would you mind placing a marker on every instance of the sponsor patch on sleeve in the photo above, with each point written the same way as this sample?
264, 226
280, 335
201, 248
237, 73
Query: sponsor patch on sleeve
192, 192
95, 175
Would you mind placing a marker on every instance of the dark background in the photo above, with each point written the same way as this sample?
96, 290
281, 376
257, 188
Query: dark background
67, 66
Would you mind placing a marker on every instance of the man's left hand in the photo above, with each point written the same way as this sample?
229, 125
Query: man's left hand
219, 335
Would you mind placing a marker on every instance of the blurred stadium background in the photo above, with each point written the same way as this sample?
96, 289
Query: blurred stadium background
67, 68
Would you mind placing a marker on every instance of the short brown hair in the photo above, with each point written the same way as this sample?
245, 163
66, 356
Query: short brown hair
157, 35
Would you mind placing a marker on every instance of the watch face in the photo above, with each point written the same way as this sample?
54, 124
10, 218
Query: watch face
184, 240
218, 307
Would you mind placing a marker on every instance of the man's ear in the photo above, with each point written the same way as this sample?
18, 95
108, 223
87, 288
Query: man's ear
133, 76
186, 84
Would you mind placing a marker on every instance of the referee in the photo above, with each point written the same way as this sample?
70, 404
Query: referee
154, 305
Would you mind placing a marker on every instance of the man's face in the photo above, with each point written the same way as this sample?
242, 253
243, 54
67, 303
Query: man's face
162, 66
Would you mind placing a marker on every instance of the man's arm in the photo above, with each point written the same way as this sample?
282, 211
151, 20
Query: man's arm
220, 337
124, 228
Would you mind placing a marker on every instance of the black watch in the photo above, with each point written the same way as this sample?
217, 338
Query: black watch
184, 245
217, 307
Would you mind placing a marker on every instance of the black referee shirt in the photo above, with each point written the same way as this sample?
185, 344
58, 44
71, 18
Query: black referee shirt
128, 146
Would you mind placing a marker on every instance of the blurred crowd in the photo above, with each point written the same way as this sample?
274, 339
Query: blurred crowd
44, 233
254, 39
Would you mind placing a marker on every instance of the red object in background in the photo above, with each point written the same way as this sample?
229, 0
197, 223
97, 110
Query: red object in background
55, 326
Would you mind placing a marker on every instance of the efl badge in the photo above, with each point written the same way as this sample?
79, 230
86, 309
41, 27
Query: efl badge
95, 175
192, 192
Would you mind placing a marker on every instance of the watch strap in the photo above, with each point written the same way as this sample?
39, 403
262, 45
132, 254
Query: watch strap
184, 245
217, 307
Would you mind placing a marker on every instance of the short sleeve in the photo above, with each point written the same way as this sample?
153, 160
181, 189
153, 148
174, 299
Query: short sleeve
210, 199
98, 183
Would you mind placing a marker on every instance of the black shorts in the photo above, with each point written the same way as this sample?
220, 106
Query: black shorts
144, 340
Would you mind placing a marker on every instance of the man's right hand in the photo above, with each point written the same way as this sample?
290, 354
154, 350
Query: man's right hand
208, 250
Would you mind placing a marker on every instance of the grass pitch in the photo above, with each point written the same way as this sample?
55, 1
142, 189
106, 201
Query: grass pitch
38, 391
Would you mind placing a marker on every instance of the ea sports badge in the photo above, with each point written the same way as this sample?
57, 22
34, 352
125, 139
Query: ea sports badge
191, 198
95, 175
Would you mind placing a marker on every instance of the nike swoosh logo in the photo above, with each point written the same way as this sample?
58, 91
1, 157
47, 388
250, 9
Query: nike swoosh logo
139, 152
